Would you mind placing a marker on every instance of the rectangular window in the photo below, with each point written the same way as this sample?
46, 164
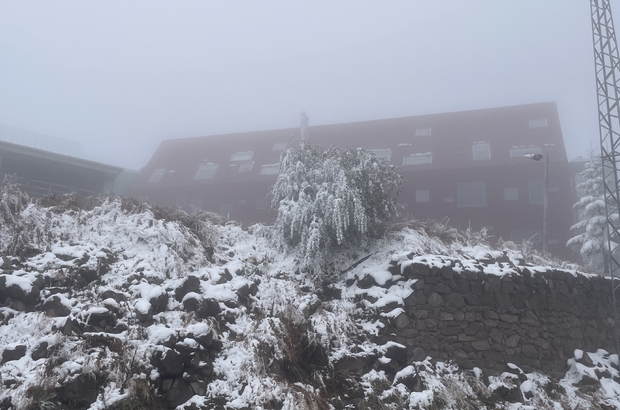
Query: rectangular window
536, 191
280, 146
246, 167
385, 154
423, 132
521, 235
206, 171
242, 156
156, 176
538, 123
517, 152
448, 199
270, 169
482, 151
422, 195
511, 194
417, 159
471, 194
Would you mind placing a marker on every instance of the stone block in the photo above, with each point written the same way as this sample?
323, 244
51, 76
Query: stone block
435, 300
492, 284
530, 351
512, 341
445, 316
455, 300
507, 286
465, 338
508, 318
480, 345
401, 321
473, 329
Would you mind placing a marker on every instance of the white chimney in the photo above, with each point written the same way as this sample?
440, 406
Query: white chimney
304, 126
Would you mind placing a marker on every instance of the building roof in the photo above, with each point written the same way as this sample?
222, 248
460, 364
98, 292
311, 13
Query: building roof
436, 141
17, 149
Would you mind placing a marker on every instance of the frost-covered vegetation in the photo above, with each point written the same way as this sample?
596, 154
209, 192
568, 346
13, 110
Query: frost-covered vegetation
328, 199
112, 304
591, 231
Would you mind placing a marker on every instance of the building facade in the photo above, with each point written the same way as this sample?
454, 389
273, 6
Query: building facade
474, 168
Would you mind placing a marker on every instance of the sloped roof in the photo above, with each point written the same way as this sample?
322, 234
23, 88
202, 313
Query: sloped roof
522, 128
18, 149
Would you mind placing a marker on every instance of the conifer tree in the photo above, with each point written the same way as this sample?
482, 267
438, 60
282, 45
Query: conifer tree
591, 235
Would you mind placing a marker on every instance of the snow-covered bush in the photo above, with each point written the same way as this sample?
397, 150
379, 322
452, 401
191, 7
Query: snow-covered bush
327, 198
12, 202
591, 236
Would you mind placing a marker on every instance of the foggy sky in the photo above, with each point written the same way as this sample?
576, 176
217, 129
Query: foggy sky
120, 76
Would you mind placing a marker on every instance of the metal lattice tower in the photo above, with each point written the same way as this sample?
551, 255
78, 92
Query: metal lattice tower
607, 67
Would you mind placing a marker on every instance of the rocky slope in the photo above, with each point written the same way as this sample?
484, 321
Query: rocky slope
111, 304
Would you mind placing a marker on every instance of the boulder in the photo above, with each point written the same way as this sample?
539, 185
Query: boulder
209, 308
191, 284
54, 307
159, 303
179, 391
19, 288
80, 392
171, 363
192, 302
40, 351
13, 353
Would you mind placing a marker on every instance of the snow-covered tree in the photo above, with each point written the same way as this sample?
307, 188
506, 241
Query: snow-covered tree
327, 198
591, 236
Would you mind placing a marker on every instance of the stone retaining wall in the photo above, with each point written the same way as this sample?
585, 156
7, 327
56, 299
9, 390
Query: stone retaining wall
532, 320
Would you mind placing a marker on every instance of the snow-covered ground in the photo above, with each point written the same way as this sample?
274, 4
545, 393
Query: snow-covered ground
117, 304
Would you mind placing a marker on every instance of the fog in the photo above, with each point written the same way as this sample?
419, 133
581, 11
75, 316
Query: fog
118, 77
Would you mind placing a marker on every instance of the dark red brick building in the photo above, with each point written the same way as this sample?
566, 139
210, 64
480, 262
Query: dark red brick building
466, 166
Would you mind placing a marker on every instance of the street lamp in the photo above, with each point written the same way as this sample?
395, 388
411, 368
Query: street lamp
538, 157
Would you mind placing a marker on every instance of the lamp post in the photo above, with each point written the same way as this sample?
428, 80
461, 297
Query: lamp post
538, 157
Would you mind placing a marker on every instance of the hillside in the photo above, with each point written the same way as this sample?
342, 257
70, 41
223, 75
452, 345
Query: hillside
112, 304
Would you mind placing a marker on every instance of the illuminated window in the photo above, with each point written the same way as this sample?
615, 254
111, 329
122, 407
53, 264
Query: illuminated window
206, 171
246, 167
517, 152
270, 169
416, 159
482, 151
279, 146
538, 123
471, 194
385, 154
242, 156
156, 175
423, 132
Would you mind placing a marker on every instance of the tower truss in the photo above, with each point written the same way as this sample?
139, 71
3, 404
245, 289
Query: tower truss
607, 68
